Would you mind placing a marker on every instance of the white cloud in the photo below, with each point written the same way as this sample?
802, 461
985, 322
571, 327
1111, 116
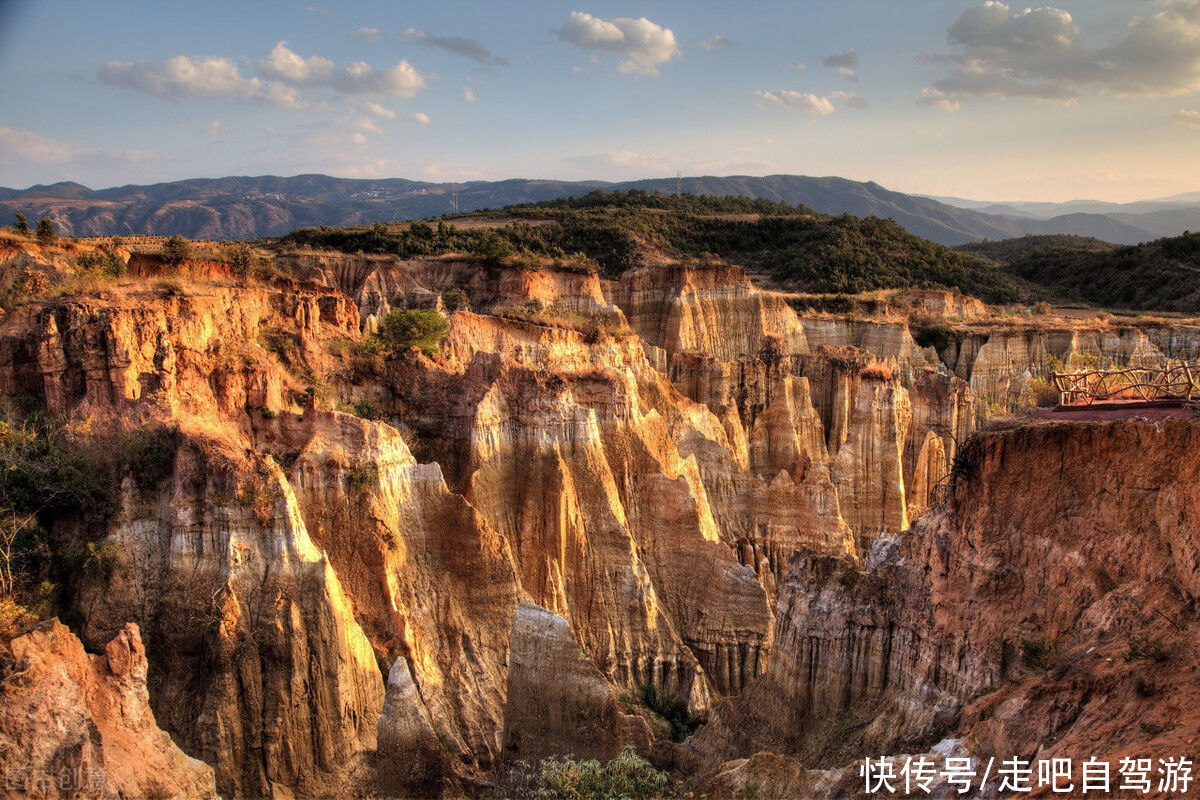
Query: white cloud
850, 99
215, 128
468, 94
281, 74
939, 99
645, 44
367, 126
715, 41
376, 110
421, 118
1187, 117
367, 34
799, 66
804, 102
459, 45
202, 76
844, 63
358, 77
1038, 53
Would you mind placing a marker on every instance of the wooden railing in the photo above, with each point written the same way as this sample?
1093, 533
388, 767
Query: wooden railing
1132, 385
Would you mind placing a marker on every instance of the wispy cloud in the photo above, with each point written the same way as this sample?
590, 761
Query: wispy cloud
714, 42
20, 148
849, 99
844, 63
468, 94
215, 128
367, 34
1188, 117
936, 98
803, 101
376, 110
645, 44
459, 45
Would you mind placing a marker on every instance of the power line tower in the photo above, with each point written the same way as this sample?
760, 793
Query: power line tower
678, 183
454, 199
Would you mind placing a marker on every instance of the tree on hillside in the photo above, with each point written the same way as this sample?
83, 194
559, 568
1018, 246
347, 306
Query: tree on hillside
176, 250
45, 231
22, 226
404, 329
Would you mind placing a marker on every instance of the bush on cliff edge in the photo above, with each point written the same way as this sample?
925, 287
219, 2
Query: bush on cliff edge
402, 329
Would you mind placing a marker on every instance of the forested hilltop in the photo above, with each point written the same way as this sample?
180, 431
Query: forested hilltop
792, 247
1162, 275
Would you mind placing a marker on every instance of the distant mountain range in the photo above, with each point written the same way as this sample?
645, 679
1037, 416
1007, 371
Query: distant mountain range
252, 207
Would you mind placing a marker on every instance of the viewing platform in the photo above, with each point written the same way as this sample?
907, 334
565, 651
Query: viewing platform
1168, 386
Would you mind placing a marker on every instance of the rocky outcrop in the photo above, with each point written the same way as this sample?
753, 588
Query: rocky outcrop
558, 701
1017, 617
80, 726
271, 678
705, 494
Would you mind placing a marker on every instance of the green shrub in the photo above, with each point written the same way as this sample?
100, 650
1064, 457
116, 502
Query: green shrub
671, 709
51, 473
1143, 647
402, 329
247, 263
45, 231
626, 777
456, 300
176, 250
103, 261
1035, 653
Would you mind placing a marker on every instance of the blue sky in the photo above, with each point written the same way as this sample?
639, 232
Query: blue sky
1080, 99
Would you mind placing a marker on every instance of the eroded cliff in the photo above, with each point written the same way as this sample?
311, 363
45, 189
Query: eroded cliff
1041, 611
356, 572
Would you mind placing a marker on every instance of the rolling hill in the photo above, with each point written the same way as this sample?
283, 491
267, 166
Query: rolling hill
254, 207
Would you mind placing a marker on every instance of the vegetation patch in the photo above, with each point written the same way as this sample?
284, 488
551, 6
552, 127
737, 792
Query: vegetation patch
52, 472
671, 709
1036, 653
628, 776
1163, 275
402, 329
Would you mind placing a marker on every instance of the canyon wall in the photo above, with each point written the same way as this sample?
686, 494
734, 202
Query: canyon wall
1045, 607
355, 572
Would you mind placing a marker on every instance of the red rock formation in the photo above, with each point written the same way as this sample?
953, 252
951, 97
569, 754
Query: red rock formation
1042, 612
74, 725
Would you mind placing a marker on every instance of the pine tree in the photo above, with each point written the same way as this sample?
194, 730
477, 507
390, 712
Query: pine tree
22, 226
45, 231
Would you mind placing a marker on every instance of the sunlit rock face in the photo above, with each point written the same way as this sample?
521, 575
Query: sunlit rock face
80, 725
404, 576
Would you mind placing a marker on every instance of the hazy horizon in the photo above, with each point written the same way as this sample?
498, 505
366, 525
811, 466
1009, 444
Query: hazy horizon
977, 100
942, 198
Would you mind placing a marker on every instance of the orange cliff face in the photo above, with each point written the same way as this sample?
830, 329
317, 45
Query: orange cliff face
603, 490
1045, 609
